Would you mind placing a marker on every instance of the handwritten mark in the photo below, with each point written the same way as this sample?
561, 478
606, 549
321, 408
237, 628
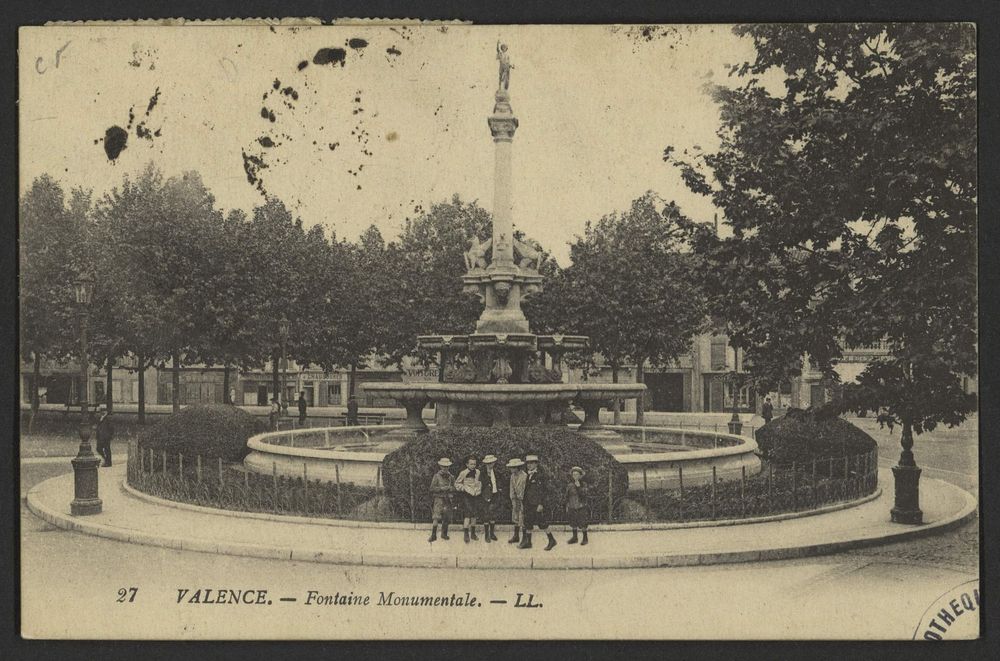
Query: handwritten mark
40, 60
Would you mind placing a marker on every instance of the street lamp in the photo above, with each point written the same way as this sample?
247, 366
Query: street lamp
85, 500
283, 331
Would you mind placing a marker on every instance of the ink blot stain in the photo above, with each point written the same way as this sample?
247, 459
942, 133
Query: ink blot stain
115, 139
276, 84
334, 145
356, 43
265, 141
392, 50
332, 56
392, 136
303, 64
153, 100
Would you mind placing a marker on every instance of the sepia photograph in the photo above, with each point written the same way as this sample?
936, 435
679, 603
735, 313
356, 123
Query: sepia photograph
402, 330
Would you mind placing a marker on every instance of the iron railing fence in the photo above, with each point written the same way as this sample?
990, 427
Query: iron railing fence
776, 489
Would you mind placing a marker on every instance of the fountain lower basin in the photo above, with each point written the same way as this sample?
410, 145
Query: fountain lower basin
656, 457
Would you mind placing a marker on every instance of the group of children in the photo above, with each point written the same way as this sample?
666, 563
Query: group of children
477, 493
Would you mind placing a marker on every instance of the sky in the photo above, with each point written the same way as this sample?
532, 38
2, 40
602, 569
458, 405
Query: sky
395, 125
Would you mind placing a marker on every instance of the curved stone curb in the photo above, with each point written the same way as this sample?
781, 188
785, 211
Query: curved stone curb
403, 525
381, 559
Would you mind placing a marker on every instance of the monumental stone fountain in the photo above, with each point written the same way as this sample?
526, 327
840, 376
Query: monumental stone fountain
499, 376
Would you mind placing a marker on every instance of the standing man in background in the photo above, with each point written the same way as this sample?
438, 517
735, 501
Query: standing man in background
302, 408
105, 432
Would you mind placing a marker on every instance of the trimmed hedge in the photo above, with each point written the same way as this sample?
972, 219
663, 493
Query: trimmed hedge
215, 430
801, 436
558, 448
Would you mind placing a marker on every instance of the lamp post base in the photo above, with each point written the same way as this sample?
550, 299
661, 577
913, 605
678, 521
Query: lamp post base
85, 501
907, 505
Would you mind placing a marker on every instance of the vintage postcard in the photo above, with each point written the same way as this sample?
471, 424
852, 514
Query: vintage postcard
437, 331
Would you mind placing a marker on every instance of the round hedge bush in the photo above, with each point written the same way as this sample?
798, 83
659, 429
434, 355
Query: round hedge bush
558, 449
211, 430
801, 436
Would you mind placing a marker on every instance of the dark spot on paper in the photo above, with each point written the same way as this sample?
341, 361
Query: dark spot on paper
265, 141
332, 56
252, 165
115, 139
143, 132
276, 84
334, 145
392, 50
153, 100
303, 64
141, 55
356, 43
131, 118
267, 114
288, 91
402, 31
392, 136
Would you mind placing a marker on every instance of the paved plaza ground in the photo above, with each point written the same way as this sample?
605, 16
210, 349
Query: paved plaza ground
879, 591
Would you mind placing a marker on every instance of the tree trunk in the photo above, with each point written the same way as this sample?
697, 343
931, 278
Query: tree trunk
351, 382
225, 384
617, 402
141, 416
275, 382
175, 381
640, 402
735, 426
35, 399
109, 382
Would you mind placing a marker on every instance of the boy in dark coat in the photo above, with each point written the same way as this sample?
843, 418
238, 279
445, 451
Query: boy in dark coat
493, 495
536, 512
576, 505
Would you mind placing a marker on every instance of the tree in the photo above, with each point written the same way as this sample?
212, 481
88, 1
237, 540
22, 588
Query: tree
122, 251
224, 312
52, 245
855, 185
631, 287
158, 240
426, 273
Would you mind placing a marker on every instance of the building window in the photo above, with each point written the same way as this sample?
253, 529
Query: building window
718, 354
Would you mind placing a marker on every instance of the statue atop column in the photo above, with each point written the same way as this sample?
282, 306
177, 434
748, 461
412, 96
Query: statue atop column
505, 66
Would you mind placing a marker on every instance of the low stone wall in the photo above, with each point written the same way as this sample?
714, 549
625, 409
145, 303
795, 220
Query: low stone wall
688, 456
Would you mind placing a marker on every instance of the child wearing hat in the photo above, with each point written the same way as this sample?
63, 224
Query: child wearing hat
536, 510
469, 486
517, 482
491, 497
576, 504
442, 486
